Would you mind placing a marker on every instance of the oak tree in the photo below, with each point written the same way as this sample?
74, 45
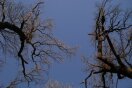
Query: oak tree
113, 42
26, 35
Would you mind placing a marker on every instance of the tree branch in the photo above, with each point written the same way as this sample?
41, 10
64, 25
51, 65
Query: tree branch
22, 37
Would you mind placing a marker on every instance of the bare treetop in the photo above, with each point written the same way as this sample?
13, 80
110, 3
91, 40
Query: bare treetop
113, 37
24, 34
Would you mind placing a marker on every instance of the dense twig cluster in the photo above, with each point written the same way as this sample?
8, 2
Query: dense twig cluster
112, 27
23, 31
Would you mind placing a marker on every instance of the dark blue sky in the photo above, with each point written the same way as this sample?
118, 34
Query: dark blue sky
73, 20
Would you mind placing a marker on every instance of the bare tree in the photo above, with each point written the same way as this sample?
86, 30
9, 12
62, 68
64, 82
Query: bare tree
56, 84
26, 36
113, 37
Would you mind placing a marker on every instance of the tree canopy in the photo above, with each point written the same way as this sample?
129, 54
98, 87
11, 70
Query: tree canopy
26, 35
113, 38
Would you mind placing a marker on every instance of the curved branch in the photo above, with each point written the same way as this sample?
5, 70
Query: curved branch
22, 37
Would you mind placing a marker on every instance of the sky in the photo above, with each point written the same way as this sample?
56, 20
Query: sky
73, 20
